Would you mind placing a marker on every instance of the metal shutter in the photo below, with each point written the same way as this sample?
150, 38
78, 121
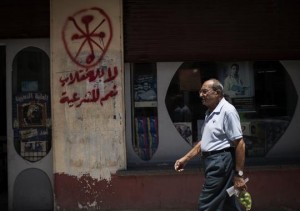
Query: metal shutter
203, 30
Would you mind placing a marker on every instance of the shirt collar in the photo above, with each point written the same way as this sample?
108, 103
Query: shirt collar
218, 108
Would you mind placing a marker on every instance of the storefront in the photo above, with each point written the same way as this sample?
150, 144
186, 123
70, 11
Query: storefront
167, 114
116, 102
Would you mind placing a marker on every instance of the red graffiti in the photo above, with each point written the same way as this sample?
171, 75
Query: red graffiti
90, 75
103, 74
86, 36
90, 96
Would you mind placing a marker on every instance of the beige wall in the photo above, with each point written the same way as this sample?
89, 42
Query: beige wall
87, 87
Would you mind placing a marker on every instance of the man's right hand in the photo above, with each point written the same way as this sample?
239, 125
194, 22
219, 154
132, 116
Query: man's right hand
178, 166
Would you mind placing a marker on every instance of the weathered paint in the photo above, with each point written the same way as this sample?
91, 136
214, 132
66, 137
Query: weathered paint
87, 89
273, 188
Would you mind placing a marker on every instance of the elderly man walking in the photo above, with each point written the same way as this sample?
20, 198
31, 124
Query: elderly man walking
222, 149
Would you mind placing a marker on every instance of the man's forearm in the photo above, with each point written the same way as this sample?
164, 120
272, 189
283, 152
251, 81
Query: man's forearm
240, 155
194, 151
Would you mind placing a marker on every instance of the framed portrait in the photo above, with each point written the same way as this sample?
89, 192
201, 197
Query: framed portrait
32, 114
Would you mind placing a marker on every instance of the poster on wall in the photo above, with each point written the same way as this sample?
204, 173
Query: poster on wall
145, 88
32, 114
238, 81
33, 150
32, 125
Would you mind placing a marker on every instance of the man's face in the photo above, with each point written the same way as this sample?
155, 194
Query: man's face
210, 98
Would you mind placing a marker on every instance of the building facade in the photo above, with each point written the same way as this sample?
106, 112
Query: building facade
102, 98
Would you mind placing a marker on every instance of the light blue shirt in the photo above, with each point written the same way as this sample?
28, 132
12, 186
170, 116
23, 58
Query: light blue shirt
221, 127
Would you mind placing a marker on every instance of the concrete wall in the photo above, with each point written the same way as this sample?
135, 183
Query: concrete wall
271, 188
87, 93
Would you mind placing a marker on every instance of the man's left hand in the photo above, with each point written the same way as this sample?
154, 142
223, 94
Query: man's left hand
239, 183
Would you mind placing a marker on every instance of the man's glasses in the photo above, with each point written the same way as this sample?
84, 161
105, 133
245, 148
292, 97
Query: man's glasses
205, 91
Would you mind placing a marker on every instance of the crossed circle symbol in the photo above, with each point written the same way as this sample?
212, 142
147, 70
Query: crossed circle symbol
86, 36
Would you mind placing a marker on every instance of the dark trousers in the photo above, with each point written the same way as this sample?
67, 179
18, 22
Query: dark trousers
219, 173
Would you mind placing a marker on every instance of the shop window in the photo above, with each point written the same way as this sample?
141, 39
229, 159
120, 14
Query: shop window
166, 122
31, 104
262, 92
144, 101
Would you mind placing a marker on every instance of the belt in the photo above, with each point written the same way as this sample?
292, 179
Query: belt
206, 154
